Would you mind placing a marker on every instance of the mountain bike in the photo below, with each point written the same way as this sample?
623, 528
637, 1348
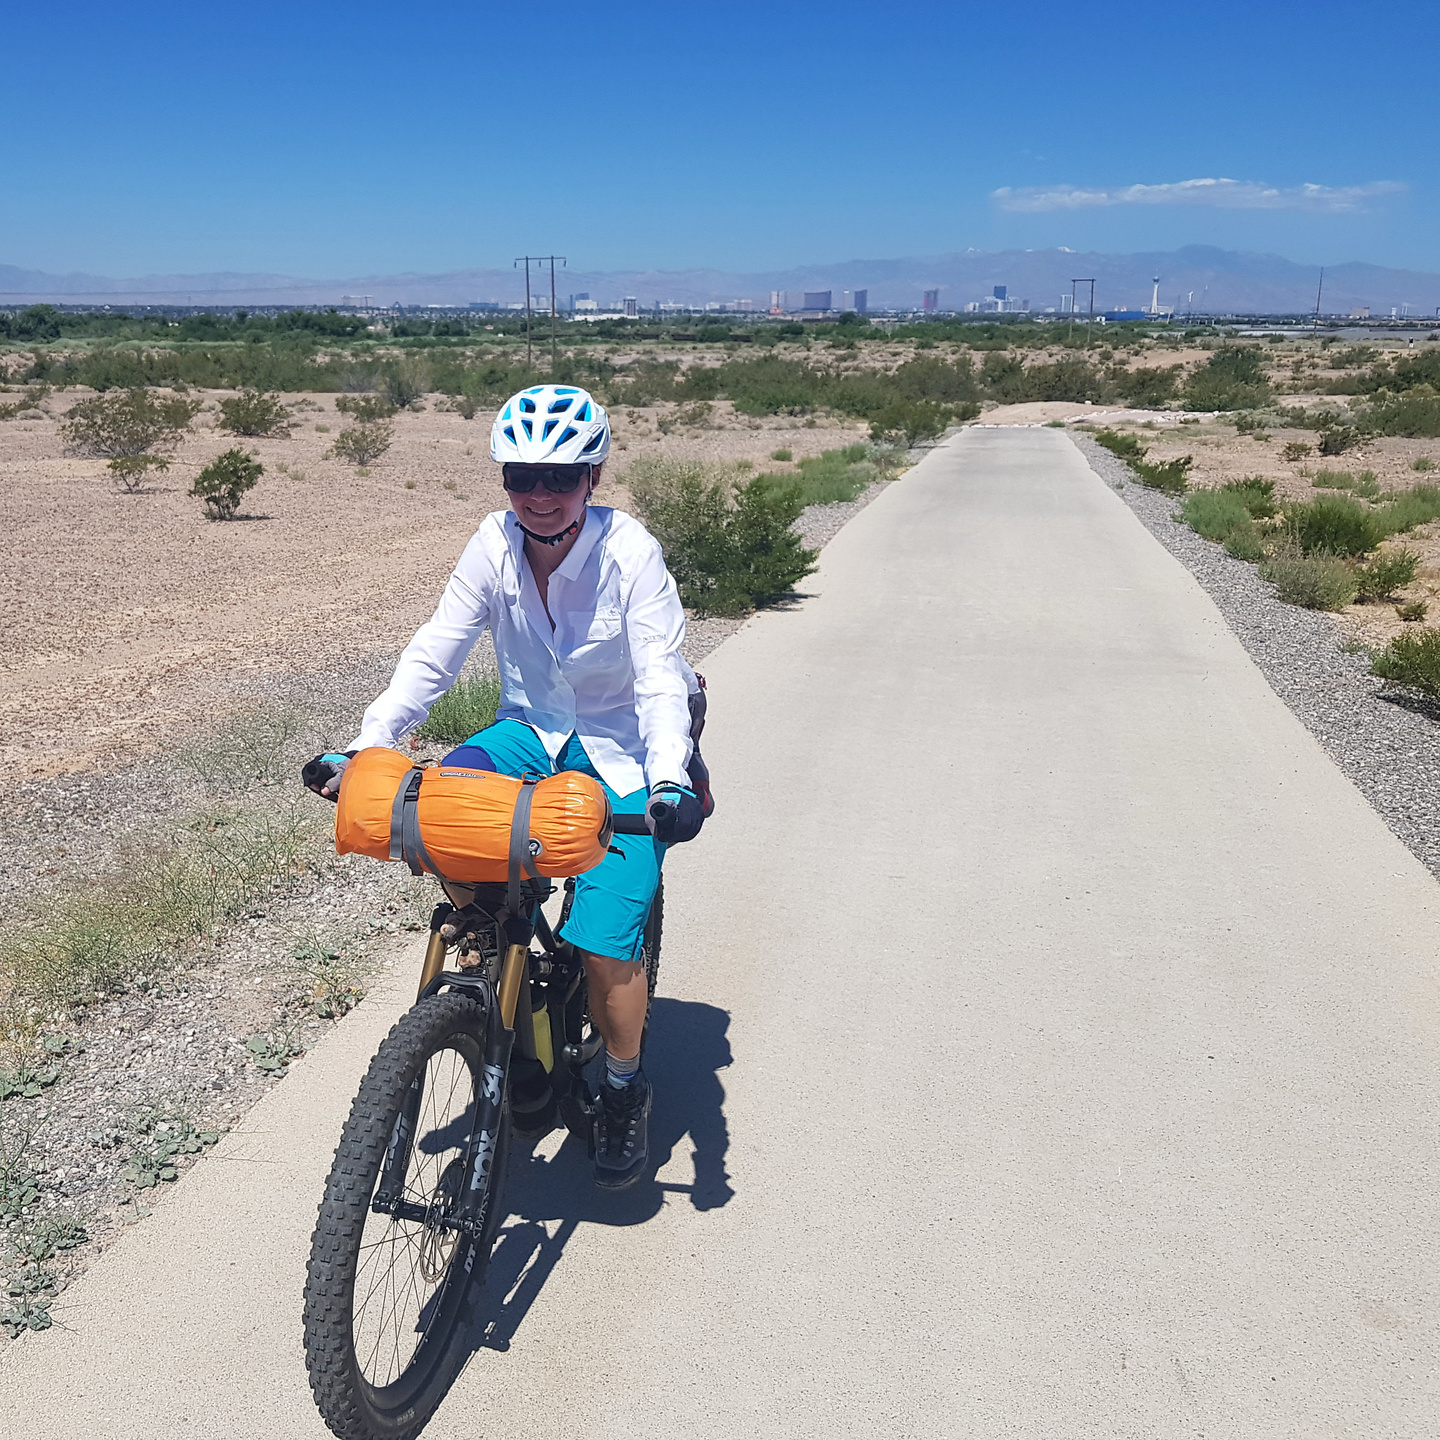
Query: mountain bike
497, 1045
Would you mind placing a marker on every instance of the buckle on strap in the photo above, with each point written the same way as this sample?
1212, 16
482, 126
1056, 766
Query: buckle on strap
520, 856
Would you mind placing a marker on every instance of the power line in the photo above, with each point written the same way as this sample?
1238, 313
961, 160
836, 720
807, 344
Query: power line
539, 259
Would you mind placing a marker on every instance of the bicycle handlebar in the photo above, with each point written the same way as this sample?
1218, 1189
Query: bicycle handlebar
630, 825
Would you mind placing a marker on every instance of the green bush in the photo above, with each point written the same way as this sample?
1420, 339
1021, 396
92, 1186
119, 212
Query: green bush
1256, 493
360, 444
1422, 463
1337, 439
408, 380
1294, 450
1233, 378
223, 483
913, 420
1318, 582
1333, 480
782, 454
1214, 513
1145, 388
129, 471
1167, 476
731, 547
1127, 447
1402, 510
1246, 542
834, 475
1411, 662
366, 409
136, 422
1387, 573
253, 412
1335, 525
1415, 414
466, 708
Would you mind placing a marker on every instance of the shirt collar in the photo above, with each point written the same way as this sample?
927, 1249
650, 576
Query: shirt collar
585, 541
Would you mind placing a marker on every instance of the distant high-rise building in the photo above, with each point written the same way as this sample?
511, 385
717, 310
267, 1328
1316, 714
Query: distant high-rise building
931, 301
632, 307
1000, 292
817, 300
777, 302
862, 301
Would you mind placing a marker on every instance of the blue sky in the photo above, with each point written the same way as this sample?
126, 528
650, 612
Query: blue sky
337, 140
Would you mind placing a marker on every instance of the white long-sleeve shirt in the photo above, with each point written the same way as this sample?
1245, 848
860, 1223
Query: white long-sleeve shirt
610, 671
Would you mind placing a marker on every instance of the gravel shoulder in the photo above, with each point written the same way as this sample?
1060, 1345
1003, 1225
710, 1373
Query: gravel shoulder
1388, 746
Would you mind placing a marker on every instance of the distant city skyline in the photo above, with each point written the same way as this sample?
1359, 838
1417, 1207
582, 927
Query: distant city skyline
328, 140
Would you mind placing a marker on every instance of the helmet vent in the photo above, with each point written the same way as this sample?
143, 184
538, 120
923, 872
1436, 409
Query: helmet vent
549, 426
527, 406
559, 407
510, 433
570, 433
529, 428
583, 414
594, 442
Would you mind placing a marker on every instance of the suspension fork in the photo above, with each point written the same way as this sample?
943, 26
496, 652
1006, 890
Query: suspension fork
479, 1197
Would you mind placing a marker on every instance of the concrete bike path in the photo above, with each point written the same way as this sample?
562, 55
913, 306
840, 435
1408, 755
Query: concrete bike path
1050, 1047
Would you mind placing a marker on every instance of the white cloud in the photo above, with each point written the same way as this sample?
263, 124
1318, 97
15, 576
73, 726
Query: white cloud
1220, 193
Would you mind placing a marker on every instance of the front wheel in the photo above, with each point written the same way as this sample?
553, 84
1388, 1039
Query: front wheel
389, 1275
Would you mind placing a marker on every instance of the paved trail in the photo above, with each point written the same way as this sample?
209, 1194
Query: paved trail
1051, 1049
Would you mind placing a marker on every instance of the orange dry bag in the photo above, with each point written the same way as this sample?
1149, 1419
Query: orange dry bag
470, 825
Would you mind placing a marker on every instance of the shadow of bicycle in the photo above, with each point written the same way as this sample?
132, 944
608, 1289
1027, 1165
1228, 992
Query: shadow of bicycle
684, 1053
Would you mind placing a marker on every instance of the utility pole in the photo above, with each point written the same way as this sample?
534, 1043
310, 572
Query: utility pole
1083, 280
1315, 324
539, 259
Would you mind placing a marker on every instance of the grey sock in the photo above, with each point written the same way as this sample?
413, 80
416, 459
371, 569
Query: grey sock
620, 1072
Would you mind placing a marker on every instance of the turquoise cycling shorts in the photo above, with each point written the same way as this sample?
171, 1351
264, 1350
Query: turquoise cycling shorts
612, 901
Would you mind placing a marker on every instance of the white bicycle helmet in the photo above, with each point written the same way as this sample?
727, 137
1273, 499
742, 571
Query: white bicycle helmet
555, 424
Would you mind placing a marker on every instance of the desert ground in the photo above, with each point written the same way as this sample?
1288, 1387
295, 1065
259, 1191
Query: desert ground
122, 610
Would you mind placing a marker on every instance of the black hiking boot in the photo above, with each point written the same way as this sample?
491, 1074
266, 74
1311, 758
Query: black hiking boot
622, 1133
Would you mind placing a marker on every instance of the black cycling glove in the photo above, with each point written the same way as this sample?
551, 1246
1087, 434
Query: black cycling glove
322, 774
674, 814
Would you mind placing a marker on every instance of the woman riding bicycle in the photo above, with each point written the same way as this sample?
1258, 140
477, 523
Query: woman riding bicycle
587, 626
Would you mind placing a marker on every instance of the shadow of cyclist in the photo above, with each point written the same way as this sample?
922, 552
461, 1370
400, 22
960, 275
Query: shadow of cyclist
684, 1052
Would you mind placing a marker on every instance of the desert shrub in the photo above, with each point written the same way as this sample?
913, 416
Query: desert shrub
465, 406
1256, 493
1317, 582
912, 420
1335, 525
1127, 447
365, 408
223, 483
731, 547
1166, 476
1413, 611
1332, 480
360, 444
1367, 487
830, 477
782, 454
1411, 662
466, 708
1233, 378
1422, 463
1294, 450
1145, 388
1402, 510
1388, 572
1413, 413
408, 380
129, 471
136, 422
1337, 439
1246, 542
1214, 513
253, 412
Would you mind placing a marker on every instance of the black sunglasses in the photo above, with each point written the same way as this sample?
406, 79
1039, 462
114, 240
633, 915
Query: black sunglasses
557, 479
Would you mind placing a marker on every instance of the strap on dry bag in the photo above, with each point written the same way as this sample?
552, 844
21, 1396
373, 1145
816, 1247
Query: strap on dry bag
405, 841
521, 857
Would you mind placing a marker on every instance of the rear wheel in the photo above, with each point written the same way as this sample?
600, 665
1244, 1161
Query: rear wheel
387, 1293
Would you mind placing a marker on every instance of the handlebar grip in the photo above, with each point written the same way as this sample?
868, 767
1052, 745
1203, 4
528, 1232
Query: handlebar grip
630, 825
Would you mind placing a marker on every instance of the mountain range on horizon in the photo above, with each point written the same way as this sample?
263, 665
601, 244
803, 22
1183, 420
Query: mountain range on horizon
1196, 279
